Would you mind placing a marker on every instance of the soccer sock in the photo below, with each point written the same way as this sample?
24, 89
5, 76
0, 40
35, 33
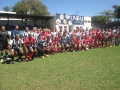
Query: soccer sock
31, 55
1, 55
26, 56
34, 55
12, 57
6, 54
20, 56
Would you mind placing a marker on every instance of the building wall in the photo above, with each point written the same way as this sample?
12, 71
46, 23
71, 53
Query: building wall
87, 22
51, 23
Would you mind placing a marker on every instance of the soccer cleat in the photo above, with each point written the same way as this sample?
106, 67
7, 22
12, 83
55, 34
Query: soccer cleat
42, 57
73, 50
7, 58
26, 60
47, 55
1, 60
13, 62
87, 48
19, 60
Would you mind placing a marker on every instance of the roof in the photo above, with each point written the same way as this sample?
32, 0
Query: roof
19, 16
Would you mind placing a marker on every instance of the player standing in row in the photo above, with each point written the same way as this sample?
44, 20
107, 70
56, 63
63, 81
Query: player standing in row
4, 36
26, 33
15, 31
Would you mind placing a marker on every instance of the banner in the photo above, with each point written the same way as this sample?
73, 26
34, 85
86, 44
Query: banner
69, 19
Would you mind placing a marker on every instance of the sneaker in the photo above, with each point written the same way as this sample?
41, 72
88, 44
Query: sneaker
87, 48
73, 50
13, 62
30, 59
47, 55
1, 60
19, 60
26, 60
7, 58
42, 57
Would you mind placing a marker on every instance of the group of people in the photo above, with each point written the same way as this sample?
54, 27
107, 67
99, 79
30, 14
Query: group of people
40, 42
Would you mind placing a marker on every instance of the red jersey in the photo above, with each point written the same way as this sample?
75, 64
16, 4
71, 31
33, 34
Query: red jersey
83, 41
29, 41
57, 40
74, 40
78, 41
90, 33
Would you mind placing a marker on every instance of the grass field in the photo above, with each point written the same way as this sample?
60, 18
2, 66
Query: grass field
97, 69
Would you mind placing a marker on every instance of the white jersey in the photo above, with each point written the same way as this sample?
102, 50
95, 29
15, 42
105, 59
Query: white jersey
16, 43
53, 34
35, 35
25, 34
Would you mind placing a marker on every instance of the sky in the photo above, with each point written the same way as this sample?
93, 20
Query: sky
71, 7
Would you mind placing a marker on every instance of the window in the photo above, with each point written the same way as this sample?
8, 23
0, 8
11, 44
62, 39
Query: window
89, 21
85, 21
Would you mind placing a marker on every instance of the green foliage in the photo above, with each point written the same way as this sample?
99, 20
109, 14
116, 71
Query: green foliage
32, 7
97, 69
107, 13
6, 8
116, 11
98, 19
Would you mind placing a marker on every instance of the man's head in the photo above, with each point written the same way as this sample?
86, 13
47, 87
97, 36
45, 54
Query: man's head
3, 28
26, 29
16, 27
40, 36
17, 36
34, 29
30, 35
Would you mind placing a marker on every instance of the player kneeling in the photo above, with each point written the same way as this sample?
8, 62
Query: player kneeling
29, 47
15, 45
42, 47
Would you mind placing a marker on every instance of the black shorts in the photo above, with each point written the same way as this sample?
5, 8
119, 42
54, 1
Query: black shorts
16, 49
29, 47
3, 46
39, 49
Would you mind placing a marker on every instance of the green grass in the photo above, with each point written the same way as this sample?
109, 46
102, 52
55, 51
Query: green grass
97, 69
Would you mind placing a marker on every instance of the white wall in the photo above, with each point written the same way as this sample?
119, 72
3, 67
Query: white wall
51, 23
63, 27
87, 22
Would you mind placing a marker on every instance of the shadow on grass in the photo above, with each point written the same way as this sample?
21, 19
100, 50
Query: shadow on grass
9, 61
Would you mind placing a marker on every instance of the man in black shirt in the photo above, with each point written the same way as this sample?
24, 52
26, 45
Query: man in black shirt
4, 36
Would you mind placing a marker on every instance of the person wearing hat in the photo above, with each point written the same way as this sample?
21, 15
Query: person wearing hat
4, 36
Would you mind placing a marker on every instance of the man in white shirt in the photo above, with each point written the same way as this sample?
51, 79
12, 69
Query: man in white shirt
15, 45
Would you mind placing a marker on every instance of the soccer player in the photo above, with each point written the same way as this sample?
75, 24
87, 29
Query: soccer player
15, 45
42, 47
15, 31
4, 36
26, 33
30, 46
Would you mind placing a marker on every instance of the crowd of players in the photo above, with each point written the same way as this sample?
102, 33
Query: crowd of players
41, 42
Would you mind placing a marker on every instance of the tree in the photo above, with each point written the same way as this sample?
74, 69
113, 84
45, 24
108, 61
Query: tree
108, 14
34, 7
6, 8
99, 19
116, 11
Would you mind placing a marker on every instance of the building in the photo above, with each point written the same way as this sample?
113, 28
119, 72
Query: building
65, 21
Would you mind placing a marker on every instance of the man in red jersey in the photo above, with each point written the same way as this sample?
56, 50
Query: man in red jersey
30, 45
74, 43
